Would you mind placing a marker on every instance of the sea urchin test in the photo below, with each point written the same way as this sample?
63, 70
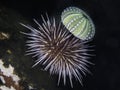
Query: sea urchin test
78, 23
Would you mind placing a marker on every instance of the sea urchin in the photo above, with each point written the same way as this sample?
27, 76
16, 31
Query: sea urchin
58, 50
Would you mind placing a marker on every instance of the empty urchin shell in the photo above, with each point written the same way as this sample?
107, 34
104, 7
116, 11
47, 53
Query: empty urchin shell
78, 23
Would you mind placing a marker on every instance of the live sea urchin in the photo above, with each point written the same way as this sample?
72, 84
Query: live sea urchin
58, 50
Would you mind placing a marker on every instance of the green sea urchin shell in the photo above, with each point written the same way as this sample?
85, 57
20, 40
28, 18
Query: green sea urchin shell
78, 23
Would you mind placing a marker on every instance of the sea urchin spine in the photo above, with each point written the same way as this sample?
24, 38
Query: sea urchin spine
58, 50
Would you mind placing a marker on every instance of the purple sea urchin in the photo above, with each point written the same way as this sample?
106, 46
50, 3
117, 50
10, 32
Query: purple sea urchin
58, 50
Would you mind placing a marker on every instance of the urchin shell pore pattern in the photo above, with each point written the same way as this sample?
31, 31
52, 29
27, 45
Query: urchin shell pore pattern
78, 23
58, 50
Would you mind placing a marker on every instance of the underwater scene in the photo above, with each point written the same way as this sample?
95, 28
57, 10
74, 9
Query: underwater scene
59, 45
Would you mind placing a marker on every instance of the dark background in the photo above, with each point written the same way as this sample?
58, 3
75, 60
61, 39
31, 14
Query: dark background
106, 17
